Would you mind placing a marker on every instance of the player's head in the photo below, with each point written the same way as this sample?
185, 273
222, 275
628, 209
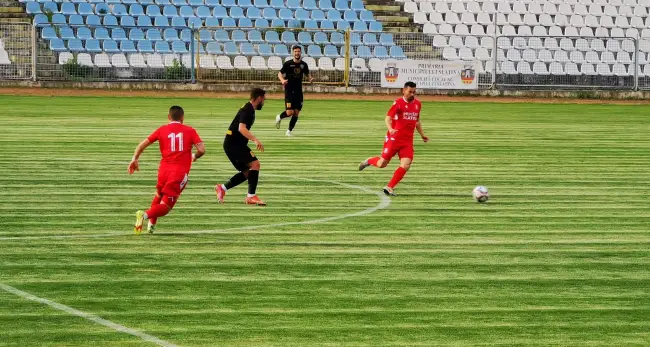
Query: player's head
297, 52
257, 98
176, 114
409, 91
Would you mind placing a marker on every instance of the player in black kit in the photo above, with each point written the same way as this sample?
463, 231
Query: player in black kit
291, 77
241, 156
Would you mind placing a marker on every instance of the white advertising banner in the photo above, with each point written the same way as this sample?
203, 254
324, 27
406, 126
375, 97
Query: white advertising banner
430, 74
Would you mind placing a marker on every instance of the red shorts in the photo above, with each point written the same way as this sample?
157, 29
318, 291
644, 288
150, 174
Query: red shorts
403, 149
171, 183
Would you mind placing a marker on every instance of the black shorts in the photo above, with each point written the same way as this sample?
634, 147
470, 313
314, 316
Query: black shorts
239, 155
293, 101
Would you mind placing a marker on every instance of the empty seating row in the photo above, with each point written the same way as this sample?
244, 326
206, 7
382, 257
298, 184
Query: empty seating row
340, 5
523, 30
540, 68
521, 7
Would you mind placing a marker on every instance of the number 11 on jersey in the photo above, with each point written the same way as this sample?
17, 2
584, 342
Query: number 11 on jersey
173, 137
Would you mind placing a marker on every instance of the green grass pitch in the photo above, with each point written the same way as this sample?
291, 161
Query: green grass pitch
560, 255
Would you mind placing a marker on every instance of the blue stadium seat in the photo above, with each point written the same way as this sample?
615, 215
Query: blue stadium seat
93, 20
153, 35
179, 3
366, 16
77, 1
238, 36
163, 2
75, 45
85, 9
331, 51
144, 21
213, 48
311, 24
194, 22
355, 39
261, 4
170, 11
230, 48
337, 39
272, 37
161, 21
40, 19
49, 33
142, 2
301, 14
386, 39
179, 47
360, 26
118, 34
341, 5
178, 22
317, 15
205, 35
320, 38
136, 10
255, 36
228, 3
186, 12
170, 34
145, 46
119, 10
381, 52
261, 23
153, 11
195, 3
102, 9
247, 49
289, 38
60, 19
269, 13
102, 34
278, 23
281, 50
110, 46
376, 26
350, 16
186, 35
397, 52
286, 14
162, 47
212, 22
310, 5
253, 13
293, 4
127, 21
334, 15
84, 33
93, 46
370, 39
228, 23
357, 5
68, 8
57, 45
342, 25
352, 54
221, 36
128, 47
34, 8
128, 2
244, 3
109, 20
245, 23
294, 23
219, 12
314, 51
277, 4
66, 33
212, 3
237, 12
325, 5
48, 6
93, 1
113, 2
76, 19
265, 50
327, 25
203, 12
304, 38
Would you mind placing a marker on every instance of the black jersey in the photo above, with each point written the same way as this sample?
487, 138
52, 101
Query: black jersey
294, 73
245, 115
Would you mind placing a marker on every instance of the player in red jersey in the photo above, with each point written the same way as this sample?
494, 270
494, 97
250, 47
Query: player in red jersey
176, 141
402, 120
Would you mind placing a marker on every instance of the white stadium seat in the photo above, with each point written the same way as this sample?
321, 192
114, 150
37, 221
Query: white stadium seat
508, 67
465, 54
339, 64
436, 18
241, 63
488, 8
207, 62
430, 28
620, 70
623, 58
607, 58
445, 29
426, 7
223, 62
119, 60
258, 63
461, 29
477, 30
577, 57
137, 61
64, 57
535, 43
545, 56
102, 60
613, 45
155, 61
410, 7
275, 63
456, 42
524, 68
472, 42
420, 18
603, 69
376, 65
588, 69
561, 56
359, 64
449, 53
84, 59
601, 32
513, 55
539, 68
572, 69
592, 57
324, 64
440, 41
483, 54
468, 18
551, 44
556, 68
529, 55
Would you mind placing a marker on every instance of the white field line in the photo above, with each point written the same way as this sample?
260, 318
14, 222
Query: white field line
384, 202
91, 317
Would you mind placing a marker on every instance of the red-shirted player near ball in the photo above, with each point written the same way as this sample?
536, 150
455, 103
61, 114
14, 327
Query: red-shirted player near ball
402, 120
176, 142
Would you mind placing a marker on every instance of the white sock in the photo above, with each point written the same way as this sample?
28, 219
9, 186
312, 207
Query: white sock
145, 216
250, 195
223, 186
149, 224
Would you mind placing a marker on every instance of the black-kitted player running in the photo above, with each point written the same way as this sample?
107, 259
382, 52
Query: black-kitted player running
291, 77
241, 156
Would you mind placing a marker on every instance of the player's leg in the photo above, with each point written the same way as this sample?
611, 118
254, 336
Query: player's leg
163, 176
406, 158
253, 179
174, 186
382, 161
297, 108
151, 227
288, 110
239, 161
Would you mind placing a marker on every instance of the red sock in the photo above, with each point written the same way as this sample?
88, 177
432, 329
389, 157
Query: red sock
156, 200
157, 211
397, 176
373, 161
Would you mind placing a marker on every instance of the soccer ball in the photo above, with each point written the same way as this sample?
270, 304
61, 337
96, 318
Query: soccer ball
480, 193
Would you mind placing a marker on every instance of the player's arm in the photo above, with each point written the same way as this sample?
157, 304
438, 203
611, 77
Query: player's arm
249, 135
389, 118
418, 126
281, 75
200, 151
133, 165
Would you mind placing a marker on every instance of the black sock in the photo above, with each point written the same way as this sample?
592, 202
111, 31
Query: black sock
293, 122
253, 177
283, 115
235, 181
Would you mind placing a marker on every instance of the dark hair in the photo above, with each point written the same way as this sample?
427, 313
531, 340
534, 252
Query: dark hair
409, 84
296, 47
257, 92
176, 113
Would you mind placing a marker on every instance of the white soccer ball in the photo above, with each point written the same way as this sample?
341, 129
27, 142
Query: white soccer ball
481, 194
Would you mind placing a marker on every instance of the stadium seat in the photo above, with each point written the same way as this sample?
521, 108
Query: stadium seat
49, 33
396, 52
265, 50
293, 4
162, 47
337, 39
258, 63
331, 51
285, 14
314, 51
289, 38
75, 45
327, 25
277, 4
92, 46
213, 48
186, 35
244, 3
325, 64
137, 61
244, 23
320, 38
381, 52
228, 23
238, 36
359, 64
241, 63
254, 13
360, 26
272, 37
230, 48
304, 38
281, 50
66, 33
247, 49
342, 25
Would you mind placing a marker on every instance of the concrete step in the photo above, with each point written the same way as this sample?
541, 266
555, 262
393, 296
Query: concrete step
394, 18
15, 18
383, 8
11, 9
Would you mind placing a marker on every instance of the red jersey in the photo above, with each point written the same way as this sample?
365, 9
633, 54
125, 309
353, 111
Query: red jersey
176, 141
406, 116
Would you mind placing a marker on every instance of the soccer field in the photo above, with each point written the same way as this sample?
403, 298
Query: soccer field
559, 256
